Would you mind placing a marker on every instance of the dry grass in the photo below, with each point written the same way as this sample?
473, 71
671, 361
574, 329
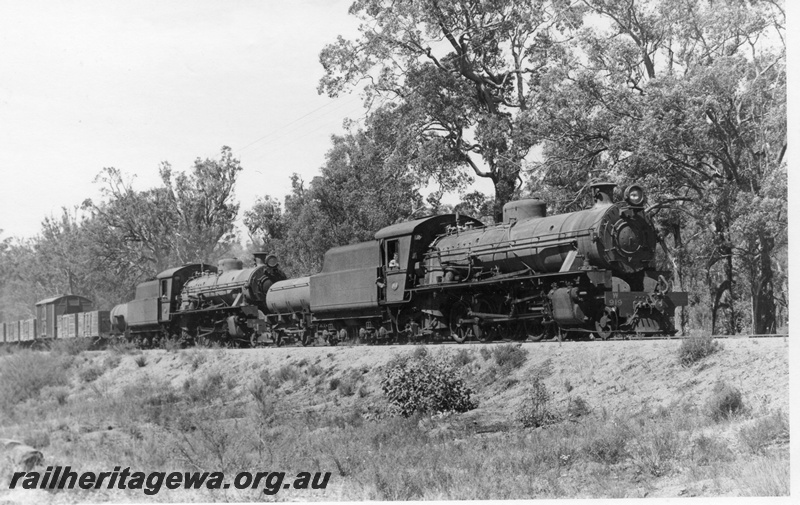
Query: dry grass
210, 422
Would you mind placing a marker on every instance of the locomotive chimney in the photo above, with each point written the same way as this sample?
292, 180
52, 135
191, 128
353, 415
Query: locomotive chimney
603, 193
265, 258
260, 258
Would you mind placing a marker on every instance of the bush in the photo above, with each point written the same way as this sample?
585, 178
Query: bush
346, 387
707, 450
25, 374
91, 373
140, 360
725, 402
607, 446
427, 385
535, 409
509, 357
655, 448
693, 349
112, 361
71, 346
765, 432
577, 408
287, 373
462, 357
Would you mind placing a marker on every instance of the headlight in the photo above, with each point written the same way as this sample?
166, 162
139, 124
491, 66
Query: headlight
634, 195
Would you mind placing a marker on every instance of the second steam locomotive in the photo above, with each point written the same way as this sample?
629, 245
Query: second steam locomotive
579, 274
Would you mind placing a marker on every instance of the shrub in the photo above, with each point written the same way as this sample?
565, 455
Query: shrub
509, 357
655, 448
693, 349
764, 432
170, 344
535, 409
314, 370
23, 375
122, 347
194, 357
287, 373
91, 373
112, 361
140, 360
725, 402
607, 445
425, 384
577, 408
71, 346
205, 390
58, 393
346, 387
708, 450
37, 440
462, 357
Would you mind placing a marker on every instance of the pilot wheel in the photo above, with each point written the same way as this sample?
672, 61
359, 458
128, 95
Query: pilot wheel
604, 327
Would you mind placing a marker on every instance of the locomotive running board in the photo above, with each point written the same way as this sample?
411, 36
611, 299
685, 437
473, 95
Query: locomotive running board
494, 280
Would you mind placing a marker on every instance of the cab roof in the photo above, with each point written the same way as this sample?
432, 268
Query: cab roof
436, 224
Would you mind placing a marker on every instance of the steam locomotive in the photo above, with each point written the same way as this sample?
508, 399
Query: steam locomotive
585, 274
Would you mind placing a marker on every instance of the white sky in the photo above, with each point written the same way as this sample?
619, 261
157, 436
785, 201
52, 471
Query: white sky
91, 84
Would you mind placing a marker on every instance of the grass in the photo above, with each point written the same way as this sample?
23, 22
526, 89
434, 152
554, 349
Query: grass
509, 357
695, 349
25, 374
725, 402
209, 422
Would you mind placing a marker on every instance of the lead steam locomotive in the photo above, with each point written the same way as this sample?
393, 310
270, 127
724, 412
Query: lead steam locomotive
583, 274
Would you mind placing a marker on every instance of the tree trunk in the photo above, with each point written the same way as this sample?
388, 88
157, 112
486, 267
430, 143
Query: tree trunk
505, 182
764, 298
677, 267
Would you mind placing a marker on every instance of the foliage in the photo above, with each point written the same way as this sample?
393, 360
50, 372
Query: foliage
189, 218
104, 249
91, 373
725, 402
608, 445
25, 374
358, 192
710, 450
688, 99
693, 349
769, 430
426, 385
578, 407
509, 357
461, 76
535, 410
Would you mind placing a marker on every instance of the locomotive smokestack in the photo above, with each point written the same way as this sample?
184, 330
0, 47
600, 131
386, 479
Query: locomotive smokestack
603, 193
265, 258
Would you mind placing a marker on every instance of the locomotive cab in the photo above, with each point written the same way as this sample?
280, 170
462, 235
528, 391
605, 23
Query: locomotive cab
410, 241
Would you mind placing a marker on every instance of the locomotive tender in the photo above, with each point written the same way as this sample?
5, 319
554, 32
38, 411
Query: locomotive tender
579, 274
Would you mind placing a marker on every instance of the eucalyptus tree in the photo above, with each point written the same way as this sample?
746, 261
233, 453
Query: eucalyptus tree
461, 74
689, 98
